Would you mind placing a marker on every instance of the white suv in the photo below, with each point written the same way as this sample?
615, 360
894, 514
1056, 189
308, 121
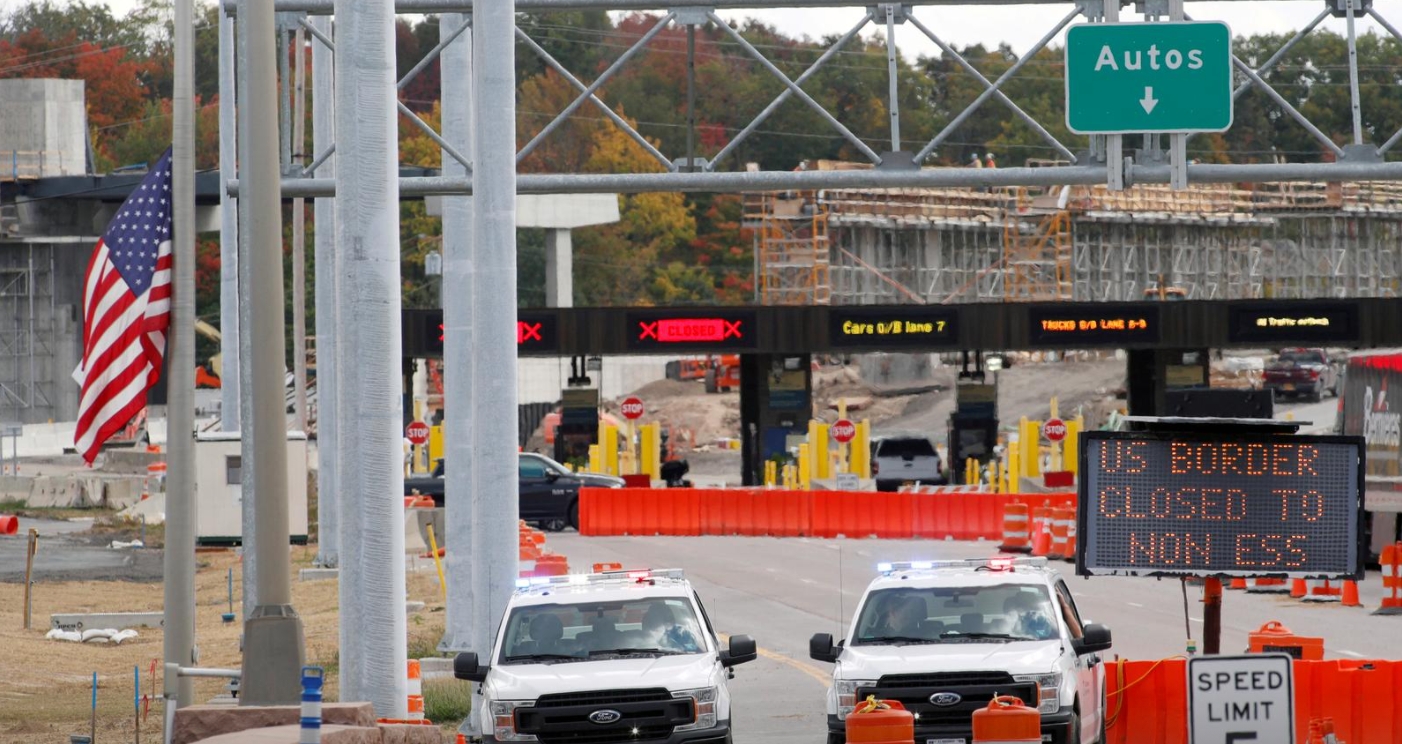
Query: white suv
945, 637
625, 656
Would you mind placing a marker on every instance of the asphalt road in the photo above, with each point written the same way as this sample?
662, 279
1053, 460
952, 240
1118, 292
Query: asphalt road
781, 591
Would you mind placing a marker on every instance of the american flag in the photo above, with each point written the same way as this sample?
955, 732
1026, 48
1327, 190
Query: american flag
126, 310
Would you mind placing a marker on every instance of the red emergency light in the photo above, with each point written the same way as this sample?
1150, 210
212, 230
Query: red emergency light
689, 330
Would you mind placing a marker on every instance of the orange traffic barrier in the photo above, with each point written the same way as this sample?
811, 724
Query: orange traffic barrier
1324, 591
1007, 720
9, 524
602, 567
1016, 530
1274, 637
1237, 583
1268, 586
416, 691
880, 722
1392, 580
1298, 588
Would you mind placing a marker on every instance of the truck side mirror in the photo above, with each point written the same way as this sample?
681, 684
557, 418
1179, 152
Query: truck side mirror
820, 648
1095, 638
466, 667
742, 649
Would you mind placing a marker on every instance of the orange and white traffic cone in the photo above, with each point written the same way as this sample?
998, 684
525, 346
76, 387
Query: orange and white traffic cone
416, 691
1238, 583
1298, 589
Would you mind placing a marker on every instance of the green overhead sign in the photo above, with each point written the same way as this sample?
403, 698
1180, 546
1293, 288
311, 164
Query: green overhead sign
1124, 78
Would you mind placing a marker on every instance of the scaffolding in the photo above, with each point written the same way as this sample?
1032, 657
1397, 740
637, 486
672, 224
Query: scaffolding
1215, 241
791, 248
26, 331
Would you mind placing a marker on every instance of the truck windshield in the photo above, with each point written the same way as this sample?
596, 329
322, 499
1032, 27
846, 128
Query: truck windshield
1003, 612
1306, 357
905, 448
654, 626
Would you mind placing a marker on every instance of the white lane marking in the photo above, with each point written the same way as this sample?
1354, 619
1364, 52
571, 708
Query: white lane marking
1354, 654
809, 582
772, 570
863, 554
1134, 604
1195, 619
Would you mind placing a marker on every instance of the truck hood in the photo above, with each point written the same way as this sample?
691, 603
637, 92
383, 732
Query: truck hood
530, 681
1017, 657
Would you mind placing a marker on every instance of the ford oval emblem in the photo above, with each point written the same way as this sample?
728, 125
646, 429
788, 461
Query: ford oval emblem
945, 699
605, 717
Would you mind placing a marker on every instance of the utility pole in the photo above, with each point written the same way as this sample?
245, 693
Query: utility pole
371, 469
328, 530
179, 560
299, 239
273, 642
228, 233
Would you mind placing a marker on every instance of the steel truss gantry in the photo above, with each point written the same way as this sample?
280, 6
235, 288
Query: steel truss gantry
895, 167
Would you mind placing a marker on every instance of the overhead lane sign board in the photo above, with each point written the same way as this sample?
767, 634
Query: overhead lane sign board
885, 327
1124, 78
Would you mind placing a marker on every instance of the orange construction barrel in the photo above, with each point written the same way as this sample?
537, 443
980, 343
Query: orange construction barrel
9, 524
1274, 637
1016, 532
1041, 530
880, 722
1007, 720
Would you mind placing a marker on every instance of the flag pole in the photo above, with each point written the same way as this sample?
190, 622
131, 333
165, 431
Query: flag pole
179, 640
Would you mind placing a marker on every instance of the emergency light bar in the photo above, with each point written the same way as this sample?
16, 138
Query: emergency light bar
996, 564
621, 577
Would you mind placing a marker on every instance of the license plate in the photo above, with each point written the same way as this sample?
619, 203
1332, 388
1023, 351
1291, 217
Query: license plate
1289, 386
945, 741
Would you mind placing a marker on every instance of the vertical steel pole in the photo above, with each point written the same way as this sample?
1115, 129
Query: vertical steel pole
1114, 143
458, 338
179, 561
299, 237
894, 105
1353, 74
1177, 143
327, 365
273, 644
373, 647
228, 232
690, 98
494, 409
248, 465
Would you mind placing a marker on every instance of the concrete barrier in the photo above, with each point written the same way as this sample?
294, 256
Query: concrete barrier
117, 620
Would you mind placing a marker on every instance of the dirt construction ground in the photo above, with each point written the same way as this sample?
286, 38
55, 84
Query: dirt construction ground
45, 686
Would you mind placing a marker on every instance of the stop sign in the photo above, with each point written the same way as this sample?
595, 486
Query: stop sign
843, 431
417, 432
631, 408
1054, 430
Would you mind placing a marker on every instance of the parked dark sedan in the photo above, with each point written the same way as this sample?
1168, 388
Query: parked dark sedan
549, 491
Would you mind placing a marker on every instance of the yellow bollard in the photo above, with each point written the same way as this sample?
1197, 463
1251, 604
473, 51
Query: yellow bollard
596, 457
805, 466
1072, 451
650, 443
1014, 464
1001, 484
861, 450
770, 473
818, 439
609, 445
438, 561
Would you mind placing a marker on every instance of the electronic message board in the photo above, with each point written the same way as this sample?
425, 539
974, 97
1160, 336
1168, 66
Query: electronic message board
536, 333
885, 327
701, 328
1154, 504
1076, 326
1292, 323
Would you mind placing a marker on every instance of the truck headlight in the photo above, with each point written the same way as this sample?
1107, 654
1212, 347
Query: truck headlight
1048, 690
847, 694
504, 719
703, 701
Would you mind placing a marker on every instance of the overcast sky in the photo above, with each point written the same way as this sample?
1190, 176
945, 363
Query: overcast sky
1020, 26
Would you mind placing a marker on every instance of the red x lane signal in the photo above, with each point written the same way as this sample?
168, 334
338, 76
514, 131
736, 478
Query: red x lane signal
689, 330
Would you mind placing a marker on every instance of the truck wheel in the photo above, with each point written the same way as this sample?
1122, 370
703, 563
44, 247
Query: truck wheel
574, 515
